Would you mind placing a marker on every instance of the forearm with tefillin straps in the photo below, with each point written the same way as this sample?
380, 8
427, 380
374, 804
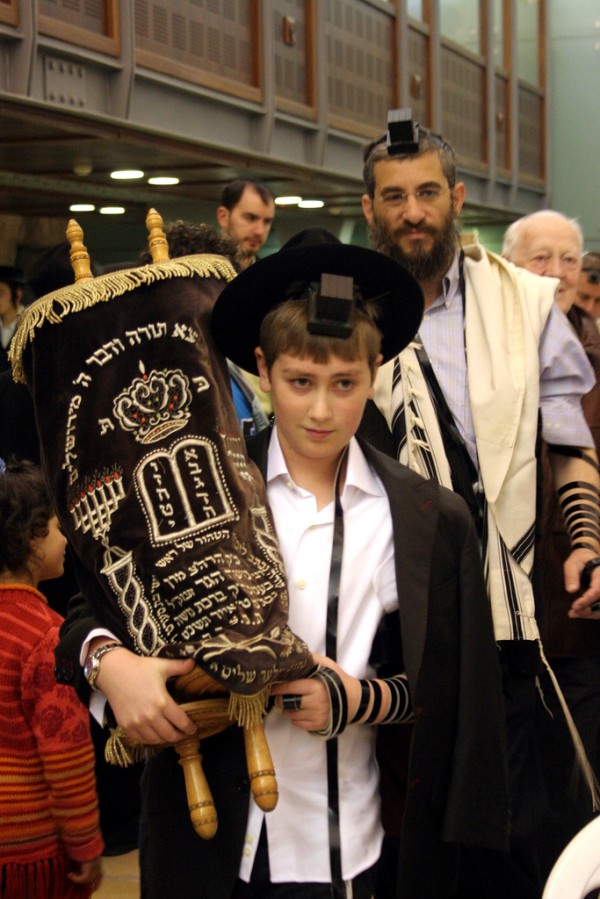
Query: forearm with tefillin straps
580, 504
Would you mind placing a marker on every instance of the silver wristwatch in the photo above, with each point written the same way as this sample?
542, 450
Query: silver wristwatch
91, 669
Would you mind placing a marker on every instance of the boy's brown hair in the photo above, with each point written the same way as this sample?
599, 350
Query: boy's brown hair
284, 330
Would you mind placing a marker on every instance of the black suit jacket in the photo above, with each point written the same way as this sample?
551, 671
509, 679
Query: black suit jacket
457, 791
18, 432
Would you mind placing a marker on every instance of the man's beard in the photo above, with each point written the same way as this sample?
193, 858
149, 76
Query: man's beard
422, 264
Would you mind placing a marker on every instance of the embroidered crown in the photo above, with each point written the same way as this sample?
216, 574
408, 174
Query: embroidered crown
154, 405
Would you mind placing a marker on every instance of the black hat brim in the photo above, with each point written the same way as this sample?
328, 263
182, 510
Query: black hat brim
10, 274
243, 304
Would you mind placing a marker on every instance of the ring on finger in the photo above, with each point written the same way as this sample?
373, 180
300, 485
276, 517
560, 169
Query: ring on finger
291, 702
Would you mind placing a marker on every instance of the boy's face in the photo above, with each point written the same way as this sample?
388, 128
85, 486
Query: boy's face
317, 406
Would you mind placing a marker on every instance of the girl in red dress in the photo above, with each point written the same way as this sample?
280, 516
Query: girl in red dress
50, 840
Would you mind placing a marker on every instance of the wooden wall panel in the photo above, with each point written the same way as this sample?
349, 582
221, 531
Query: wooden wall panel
294, 45
502, 123
418, 76
9, 12
463, 105
360, 63
531, 156
85, 23
211, 42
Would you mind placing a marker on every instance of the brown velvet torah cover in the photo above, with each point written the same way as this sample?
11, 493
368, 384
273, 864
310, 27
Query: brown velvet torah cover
142, 451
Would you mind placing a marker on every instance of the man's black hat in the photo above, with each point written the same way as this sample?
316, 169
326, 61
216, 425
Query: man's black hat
10, 274
243, 304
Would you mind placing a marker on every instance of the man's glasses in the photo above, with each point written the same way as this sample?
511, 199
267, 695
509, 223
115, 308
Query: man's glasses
425, 196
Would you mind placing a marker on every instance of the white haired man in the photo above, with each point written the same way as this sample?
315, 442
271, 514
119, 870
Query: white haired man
548, 243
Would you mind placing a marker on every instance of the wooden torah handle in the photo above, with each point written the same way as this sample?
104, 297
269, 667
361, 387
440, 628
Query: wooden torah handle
210, 715
80, 259
203, 813
260, 767
157, 241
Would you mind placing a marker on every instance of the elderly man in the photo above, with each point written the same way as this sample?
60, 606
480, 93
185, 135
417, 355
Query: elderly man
550, 243
246, 213
588, 286
462, 405
547, 243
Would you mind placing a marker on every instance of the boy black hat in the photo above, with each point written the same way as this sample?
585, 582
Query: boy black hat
241, 307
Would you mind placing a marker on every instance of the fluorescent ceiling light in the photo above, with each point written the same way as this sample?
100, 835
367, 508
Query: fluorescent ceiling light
112, 210
287, 201
126, 174
163, 179
311, 204
81, 207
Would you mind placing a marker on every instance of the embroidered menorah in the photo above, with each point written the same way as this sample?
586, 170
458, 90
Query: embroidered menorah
94, 504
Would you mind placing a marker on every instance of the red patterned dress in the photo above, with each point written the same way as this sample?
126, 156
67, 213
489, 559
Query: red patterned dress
48, 801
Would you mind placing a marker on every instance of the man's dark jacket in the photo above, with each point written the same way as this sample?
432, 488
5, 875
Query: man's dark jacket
457, 789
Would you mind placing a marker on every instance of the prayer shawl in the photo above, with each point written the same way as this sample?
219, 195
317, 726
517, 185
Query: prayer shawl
505, 313
143, 453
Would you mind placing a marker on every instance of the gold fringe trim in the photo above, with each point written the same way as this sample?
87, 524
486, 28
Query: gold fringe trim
123, 753
580, 753
55, 306
248, 710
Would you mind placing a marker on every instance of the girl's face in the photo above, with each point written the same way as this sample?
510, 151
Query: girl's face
48, 553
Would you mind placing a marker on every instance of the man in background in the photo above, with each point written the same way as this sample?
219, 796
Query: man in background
245, 214
588, 286
11, 294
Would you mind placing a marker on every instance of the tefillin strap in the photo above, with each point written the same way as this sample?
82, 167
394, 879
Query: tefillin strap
463, 471
579, 504
338, 890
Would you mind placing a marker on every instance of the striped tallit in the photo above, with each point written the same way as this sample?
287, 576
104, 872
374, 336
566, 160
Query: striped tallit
505, 313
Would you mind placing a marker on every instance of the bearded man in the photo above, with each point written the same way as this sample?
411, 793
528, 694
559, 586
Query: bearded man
462, 404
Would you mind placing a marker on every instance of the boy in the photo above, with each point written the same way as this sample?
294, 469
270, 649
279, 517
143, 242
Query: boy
361, 538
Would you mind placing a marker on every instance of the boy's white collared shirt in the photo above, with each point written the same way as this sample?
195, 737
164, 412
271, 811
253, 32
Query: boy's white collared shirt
298, 829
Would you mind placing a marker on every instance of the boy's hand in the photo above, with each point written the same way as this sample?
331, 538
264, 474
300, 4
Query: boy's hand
135, 687
312, 698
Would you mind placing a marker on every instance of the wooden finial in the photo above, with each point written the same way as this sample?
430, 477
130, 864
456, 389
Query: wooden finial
157, 241
80, 259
